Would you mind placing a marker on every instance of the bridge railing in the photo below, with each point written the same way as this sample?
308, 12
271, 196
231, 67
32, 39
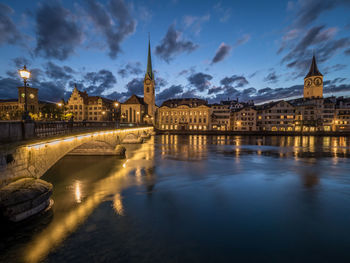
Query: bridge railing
47, 129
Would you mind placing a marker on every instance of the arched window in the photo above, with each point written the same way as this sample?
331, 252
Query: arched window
147, 89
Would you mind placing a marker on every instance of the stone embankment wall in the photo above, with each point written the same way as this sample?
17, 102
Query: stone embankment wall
12, 131
33, 160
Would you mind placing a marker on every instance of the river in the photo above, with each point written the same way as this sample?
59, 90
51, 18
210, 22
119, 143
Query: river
195, 199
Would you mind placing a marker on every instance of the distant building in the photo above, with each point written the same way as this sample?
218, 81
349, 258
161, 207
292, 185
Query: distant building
91, 108
220, 116
243, 119
184, 114
342, 115
275, 116
133, 110
142, 110
12, 109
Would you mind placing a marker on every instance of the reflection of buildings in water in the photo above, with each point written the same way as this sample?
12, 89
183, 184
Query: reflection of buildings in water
77, 191
310, 179
150, 180
118, 204
192, 147
63, 226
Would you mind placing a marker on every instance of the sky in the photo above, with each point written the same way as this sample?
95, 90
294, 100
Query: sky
216, 50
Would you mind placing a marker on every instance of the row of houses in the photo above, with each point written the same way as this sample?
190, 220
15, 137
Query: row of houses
304, 114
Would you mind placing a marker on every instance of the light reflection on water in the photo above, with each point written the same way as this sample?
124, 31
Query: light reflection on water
198, 198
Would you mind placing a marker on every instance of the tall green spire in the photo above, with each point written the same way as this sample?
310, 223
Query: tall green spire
149, 60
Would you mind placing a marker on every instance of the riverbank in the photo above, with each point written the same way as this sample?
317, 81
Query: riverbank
253, 133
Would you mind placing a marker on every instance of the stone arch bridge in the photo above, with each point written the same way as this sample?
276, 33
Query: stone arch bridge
34, 159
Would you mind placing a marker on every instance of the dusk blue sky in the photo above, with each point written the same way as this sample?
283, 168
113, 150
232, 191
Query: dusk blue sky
258, 50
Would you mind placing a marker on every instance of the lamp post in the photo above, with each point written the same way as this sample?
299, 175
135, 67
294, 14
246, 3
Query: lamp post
25, 74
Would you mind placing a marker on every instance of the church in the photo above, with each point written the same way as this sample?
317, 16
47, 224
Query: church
138, 110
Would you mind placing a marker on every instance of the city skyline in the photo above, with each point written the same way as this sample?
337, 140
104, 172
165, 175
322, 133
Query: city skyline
104, 52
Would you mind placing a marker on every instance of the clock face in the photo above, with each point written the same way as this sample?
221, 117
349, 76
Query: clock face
31, 96
148, 81
23, 95
308, 83
318, 81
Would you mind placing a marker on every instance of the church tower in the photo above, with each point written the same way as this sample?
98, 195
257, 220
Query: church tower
313, 82
149, 86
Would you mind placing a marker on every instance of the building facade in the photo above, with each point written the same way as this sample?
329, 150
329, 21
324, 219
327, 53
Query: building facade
83, 107
220, 117
133, 110
275, 116
184, 114
243, 119
13, 109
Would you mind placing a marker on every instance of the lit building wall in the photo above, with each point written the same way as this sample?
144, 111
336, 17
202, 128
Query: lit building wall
243, 120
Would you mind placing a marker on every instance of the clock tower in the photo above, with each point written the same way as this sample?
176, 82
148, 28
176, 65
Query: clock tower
149, 88
313, 82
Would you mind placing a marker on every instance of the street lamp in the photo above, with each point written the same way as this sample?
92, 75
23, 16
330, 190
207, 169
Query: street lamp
25, 74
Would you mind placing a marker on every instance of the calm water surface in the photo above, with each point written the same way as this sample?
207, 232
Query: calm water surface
195, 199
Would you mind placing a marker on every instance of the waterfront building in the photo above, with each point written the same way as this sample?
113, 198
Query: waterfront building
220, 116
83, 107
243, 119
314, 114
275, 116
313, 82
342, 115
139, 110
184, 114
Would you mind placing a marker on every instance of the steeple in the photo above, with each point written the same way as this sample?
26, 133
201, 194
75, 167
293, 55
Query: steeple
313, 69
149, 61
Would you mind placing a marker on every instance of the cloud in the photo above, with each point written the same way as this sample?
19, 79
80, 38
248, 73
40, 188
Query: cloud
241, 41
316, 38
130, 69
8, 30
224, 13
135, 86
173, 44
271, 77
20, 62
215, 90
99, 82
160, 82
51, 91
221, 53
57, 33
310, 10
235, 81
56, 72
195, 22
8, 87
115, 24
200, 81
171, 92
335, 68
334, 88
191, 70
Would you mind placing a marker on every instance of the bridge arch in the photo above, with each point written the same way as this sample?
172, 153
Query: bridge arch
33, 160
